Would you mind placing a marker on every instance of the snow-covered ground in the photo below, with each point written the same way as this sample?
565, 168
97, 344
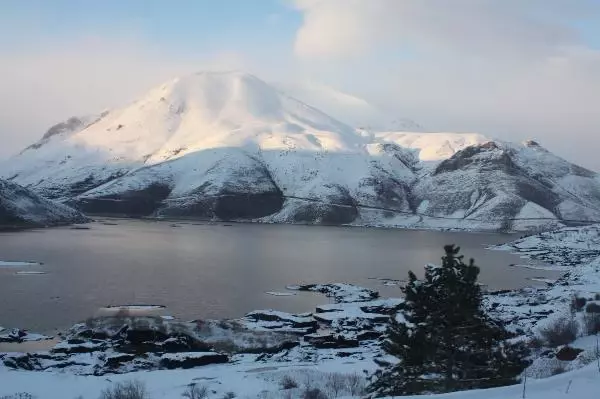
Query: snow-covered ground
254, 382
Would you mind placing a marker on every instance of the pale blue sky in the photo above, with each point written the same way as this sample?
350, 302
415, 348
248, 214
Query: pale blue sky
512, 69
205, 25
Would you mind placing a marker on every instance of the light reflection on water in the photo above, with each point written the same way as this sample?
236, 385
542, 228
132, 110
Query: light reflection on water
216, 271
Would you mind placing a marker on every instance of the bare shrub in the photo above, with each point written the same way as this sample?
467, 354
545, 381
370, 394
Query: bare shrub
597, 297
563, 331
592, 323
126, 390
287, 394
309, 381
195, 391
313, 393
356, 384
335, 383
229, 395
577, 303
288, 382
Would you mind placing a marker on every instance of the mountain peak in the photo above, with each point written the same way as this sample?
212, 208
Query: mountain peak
531, 144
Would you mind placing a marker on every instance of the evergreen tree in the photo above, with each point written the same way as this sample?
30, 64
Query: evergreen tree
443, 339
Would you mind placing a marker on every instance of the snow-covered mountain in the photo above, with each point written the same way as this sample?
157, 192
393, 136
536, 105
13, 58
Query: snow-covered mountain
20, 207
227, 145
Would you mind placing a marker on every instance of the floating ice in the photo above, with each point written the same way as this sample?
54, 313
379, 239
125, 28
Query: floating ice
10, 263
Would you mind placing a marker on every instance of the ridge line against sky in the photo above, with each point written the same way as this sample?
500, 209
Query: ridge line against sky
512, 69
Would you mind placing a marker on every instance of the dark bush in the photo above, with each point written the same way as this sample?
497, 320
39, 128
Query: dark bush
535, 342
577, 304
288, 382
592, 323
592, 307
313, 393
597, 297
561, 332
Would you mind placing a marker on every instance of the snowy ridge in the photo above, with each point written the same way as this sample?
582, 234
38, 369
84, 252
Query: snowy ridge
20, 207
432, 146
226, 145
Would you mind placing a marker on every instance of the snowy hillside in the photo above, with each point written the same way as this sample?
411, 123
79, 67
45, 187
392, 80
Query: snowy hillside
515, 187
227, 145
20, 207
432, 147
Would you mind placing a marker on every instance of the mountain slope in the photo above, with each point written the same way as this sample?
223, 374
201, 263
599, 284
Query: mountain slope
509, 187
199, 112
229, 146
353, 110
19, 207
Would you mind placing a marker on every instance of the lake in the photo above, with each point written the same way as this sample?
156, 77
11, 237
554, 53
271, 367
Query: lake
207, 270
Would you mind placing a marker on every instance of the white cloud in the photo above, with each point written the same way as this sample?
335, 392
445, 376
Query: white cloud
508, 68
342, 28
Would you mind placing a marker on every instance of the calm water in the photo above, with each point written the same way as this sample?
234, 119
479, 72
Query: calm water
215, 271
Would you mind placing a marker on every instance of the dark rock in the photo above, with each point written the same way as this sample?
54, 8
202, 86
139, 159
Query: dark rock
340, 292
468, 156
138, 336
24, 362
184, 343
191, 360
368, 335
383, 309
78, 348
93, 334
15, 335
330, 341
568, 353
116, 361
142, 202
293, 321
337, 208
248, 192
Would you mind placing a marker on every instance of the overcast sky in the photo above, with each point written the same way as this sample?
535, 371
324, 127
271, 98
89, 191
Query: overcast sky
512, 69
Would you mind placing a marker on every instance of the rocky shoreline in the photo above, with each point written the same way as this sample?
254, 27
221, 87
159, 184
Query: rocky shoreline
350, 327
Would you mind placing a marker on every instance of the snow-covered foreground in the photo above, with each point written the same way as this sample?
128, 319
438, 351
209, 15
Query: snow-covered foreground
247, 382
250, 375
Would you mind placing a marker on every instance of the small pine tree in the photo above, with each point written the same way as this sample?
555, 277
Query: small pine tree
443, 339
